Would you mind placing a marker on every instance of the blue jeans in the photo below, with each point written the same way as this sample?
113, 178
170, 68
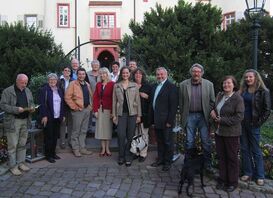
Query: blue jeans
252, 157
197, 121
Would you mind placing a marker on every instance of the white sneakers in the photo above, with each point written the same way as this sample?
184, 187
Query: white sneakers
17, 169
23, 167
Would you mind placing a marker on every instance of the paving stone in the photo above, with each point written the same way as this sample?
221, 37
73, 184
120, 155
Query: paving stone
111, 192
121, 194
66, 191
99, 194
171, 193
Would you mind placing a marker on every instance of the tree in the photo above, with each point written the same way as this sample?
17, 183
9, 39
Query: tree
27, 50
175, 37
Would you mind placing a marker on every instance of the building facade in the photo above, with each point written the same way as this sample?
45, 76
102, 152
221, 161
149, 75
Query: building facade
100, 24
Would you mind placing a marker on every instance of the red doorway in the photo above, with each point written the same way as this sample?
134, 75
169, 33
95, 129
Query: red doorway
106, 55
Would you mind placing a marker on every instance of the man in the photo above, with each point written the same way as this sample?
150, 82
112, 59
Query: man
115, 71
78, 97
93, 74
132, 66
75, 66
164, 107
92, 78
66, 125
17, 103
196, 100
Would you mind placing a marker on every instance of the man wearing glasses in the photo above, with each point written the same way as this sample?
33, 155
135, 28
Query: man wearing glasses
66, 125
196, 100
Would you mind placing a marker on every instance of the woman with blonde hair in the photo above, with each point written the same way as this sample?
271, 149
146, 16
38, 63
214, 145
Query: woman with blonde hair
257, 110
102, 107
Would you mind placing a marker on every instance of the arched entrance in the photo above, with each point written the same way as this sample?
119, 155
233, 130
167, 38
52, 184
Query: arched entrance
106, 58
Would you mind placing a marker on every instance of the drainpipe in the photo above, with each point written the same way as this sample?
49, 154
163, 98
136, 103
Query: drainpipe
76, 28
134, 10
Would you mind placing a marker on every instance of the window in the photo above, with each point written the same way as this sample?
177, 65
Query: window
105, 20
31, 20
229, 18
63, 15
3, 19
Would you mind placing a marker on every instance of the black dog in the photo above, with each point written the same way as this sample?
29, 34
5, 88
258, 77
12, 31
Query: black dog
193, 163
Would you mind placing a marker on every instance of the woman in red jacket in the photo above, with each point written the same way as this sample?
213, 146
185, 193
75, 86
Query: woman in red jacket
102, 107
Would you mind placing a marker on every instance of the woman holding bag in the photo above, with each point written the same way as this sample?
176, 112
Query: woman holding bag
139, 77
126, 113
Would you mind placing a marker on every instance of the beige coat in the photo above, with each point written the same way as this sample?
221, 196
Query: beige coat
133, 99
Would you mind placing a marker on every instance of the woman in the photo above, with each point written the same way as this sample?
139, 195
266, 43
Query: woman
227, 115
139, 77
126, 113
257, 110
102, 107
52, 111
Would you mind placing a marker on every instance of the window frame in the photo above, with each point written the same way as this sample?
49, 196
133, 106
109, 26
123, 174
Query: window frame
26, 16
59, 6
228, 21
102, 15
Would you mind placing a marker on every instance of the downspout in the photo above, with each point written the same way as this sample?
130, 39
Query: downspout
134, 10
76, 28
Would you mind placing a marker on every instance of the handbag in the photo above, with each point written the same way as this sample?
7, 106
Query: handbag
3, 149
138, 141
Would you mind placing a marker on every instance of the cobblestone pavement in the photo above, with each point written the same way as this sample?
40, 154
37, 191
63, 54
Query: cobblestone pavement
94, 176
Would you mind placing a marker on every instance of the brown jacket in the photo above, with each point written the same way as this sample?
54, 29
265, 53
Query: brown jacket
231, 115
74, 96
133, 99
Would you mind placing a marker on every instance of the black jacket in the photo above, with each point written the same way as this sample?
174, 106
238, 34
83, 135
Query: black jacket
261, 107
145, 104
165, 105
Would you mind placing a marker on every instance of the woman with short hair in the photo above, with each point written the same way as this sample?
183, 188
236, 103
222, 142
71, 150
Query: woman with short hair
102, 108
52, 114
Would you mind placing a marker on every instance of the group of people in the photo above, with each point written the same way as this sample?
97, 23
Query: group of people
124, 98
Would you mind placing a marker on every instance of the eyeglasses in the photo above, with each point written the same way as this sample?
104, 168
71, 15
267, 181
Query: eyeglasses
68, 70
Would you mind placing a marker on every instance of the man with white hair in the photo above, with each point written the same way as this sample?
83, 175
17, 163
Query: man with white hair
17, 103
74, 67
196, 100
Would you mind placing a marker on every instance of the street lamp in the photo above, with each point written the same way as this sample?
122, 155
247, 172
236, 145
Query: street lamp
255, 10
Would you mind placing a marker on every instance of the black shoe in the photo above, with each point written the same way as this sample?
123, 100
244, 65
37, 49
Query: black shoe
166, 167
157, 163
50, 160
120, 162
141, 159
128, 164
56, 157
230, 188
62, 146
210, 170
220, 186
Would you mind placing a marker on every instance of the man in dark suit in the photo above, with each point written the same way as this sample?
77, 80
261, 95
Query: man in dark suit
164, 106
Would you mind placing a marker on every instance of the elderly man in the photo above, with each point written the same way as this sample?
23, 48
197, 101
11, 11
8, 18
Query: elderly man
164, 99
196, 100
74, 66
132, 65
78, 97
17, 103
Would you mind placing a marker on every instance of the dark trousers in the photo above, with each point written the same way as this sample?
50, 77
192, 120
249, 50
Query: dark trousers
126, 131
51, 133
165, 148
227, 149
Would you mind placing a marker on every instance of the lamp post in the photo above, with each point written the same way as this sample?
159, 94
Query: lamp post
255, 10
